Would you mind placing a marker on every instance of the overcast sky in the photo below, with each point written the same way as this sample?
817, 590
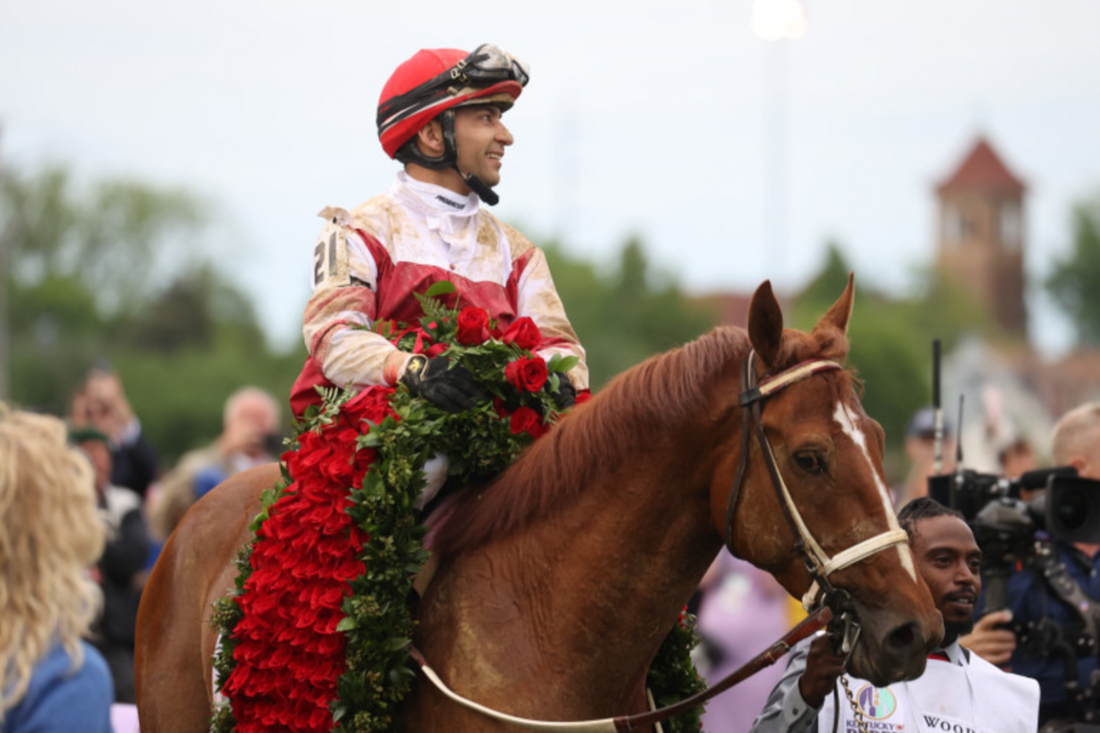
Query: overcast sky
733, 158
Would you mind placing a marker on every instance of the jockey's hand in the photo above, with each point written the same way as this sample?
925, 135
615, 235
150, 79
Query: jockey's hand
823, 666
448, 386
565, 396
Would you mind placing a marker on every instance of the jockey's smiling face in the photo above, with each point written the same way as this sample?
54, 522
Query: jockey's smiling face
481, 137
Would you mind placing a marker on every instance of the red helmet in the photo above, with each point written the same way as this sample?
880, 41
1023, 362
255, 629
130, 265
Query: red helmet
436, 80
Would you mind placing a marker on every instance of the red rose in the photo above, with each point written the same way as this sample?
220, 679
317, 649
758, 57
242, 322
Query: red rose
583, 396
473, 326
527, 374
523, 333
526, 420
372, 405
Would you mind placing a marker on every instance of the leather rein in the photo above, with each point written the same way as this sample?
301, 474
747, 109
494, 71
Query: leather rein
818, 562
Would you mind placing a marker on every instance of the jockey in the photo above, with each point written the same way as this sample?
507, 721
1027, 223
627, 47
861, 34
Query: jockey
440, 115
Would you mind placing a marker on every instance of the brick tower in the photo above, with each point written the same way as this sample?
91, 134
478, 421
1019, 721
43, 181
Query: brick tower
981, 234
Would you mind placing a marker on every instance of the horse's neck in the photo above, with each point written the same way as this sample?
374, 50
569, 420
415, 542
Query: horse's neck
582, 599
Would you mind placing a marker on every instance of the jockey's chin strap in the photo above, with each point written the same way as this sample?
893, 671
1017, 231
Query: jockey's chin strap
818, 562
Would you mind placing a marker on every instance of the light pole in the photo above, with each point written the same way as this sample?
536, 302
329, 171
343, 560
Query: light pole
776, 21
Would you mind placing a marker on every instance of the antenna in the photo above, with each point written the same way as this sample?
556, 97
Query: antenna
958, 440
937, 409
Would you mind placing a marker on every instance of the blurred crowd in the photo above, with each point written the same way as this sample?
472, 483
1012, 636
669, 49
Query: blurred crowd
89, 500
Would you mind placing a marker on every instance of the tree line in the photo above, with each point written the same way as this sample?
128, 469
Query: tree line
115, 274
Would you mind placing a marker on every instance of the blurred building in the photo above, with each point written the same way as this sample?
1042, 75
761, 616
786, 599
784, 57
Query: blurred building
1010, 391
981, 234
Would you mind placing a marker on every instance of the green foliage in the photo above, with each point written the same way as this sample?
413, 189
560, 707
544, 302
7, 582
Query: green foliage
1074, 281
117, 237
673, 677
891, 337
627, 315
111, 274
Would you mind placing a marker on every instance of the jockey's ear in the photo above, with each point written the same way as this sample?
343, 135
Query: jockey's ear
765, 324
429, 139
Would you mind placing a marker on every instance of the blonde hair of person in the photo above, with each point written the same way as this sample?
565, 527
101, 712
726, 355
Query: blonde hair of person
50, 534
1076, 434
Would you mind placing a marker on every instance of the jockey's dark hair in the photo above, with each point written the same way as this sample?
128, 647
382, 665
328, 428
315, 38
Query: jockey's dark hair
923, 507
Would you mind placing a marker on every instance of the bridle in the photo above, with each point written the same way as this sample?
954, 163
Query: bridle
834, 605
818, 562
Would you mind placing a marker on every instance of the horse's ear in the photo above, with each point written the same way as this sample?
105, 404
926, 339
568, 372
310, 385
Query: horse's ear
765, 324
841, 312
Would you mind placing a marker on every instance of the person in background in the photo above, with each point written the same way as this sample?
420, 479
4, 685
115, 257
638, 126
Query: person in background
920, 450
1050, 598
958, 691
100, 402
121, 570
250, 436
742, 609
51, 681
1016, 458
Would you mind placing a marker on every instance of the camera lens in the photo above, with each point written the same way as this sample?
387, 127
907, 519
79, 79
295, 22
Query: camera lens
1072, 509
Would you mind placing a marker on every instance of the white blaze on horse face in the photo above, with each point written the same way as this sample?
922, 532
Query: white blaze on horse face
849, 423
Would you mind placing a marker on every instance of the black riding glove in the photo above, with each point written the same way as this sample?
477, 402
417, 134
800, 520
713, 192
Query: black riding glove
565, 396
448, 387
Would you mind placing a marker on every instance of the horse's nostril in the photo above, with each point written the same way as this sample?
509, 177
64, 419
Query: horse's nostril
902, 638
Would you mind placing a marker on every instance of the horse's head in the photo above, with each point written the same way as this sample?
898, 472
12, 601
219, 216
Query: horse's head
816, 498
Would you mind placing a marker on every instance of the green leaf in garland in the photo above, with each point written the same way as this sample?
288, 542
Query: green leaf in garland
562, 363
443, 287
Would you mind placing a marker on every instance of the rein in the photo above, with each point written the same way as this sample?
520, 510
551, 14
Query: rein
809, 626
818, 562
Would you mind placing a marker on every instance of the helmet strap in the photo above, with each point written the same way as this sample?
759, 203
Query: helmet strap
478, 186
410, 152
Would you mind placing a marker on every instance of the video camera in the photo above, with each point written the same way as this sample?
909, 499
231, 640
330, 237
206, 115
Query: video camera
1069, 509
1005, 526
1010, 531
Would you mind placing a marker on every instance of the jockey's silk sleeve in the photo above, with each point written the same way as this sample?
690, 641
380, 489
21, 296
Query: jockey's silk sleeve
342, 306
538, 299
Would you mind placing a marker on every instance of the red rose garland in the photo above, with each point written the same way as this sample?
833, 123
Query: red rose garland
289, 653
303, 609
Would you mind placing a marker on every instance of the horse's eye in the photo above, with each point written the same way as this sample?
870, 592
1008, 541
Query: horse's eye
809, 462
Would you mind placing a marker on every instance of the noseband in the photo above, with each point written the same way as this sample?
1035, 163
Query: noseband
818, 562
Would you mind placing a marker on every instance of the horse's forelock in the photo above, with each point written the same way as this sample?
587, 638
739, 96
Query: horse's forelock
824, 342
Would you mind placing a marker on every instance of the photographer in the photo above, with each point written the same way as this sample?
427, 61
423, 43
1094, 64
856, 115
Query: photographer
1055, 619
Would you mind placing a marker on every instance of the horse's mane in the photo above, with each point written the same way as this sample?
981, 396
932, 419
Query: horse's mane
622, 420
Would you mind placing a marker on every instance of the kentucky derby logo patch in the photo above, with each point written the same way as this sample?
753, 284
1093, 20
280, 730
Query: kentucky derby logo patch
877, 703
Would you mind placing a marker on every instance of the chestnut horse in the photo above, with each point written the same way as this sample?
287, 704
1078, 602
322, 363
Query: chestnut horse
558, 582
